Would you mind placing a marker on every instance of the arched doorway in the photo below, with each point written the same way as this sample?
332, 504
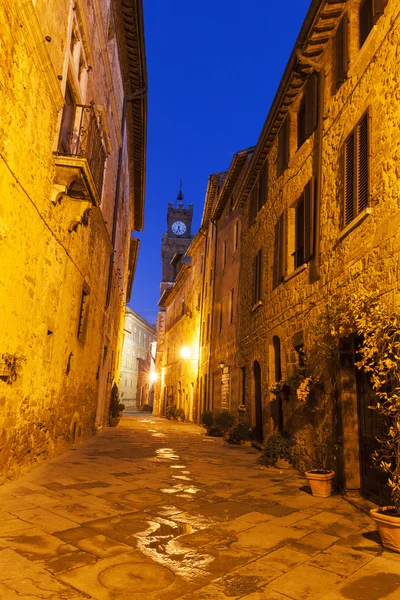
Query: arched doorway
277, 412
258, 402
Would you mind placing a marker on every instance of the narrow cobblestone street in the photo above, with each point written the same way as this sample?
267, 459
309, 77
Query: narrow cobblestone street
157, 510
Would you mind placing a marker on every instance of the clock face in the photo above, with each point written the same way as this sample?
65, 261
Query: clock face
178, 228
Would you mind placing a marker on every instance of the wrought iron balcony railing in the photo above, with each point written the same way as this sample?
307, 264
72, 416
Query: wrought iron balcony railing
81, 137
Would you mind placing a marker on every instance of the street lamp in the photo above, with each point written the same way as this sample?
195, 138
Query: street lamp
153, 377
222, 365
185, 352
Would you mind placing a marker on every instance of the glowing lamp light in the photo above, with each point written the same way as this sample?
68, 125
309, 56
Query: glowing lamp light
153, 377
185, 352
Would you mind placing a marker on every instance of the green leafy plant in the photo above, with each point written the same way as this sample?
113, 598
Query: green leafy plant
170, 411
121, 407
241, 431
278, 387
180, 414
114, 402
277, 445
224, 420
12, 366
207, 418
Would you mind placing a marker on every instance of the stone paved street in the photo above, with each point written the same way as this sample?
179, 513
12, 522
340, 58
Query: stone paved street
157, 510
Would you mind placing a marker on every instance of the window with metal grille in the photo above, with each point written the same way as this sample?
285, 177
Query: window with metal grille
341, 50
356, 170
369, 13
257, 276
307, 117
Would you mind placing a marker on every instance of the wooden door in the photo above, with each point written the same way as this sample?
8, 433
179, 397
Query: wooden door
258, 402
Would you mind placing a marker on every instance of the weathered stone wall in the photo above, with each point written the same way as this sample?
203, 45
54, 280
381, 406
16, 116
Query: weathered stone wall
179, 382
364, 256
43, 265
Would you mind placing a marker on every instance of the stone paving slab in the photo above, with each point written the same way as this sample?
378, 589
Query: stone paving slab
154, 510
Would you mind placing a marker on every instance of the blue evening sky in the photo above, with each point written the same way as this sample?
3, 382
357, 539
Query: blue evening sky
213, 69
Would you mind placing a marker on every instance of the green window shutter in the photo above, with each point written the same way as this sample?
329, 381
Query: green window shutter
362, 164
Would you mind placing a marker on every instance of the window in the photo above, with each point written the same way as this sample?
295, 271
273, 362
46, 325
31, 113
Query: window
231, 299
224, 254
253, 200
283, 146
304, 226
307, 117
257, 278
220, 318
356, 170
211, 277
208, 328
67, 122
83, 312
341, 51
262, 186
279, 250
236, 236
369, 13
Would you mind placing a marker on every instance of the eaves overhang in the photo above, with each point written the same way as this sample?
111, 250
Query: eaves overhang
133, 256
231, 179
133, 59
321, 19
214, 182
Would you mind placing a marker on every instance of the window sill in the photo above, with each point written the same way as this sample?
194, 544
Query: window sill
256, 306
303, 267
354, 223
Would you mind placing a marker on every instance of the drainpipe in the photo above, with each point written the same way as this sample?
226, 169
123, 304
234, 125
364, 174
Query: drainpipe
137, 95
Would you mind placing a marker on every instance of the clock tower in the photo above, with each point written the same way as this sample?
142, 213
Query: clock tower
177, 238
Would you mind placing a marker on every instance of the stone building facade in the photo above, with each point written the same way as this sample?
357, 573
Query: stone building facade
138, 355
72, 168
318, 212
327, 226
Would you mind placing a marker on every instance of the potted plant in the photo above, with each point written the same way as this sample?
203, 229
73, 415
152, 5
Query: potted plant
224, 421
121, 408
180, 414
278, 450
170, 412
207, 419
115, 415
241, 433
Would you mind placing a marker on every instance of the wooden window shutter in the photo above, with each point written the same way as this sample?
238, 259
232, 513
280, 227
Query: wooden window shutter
283, 149
362, 164
378, 8
342, 50
281, 248
365, 19
263, 186
311, 91
349, 183
257, 277
276, 255
309, 203
253, 203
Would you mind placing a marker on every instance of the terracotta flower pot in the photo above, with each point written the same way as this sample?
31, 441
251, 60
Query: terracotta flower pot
388, 527
320, 482
113, 422
282, 463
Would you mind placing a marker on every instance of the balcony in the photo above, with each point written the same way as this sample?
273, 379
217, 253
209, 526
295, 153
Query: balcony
81, 155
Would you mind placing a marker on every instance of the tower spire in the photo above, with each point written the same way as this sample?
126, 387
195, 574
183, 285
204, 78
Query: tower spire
180, 199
